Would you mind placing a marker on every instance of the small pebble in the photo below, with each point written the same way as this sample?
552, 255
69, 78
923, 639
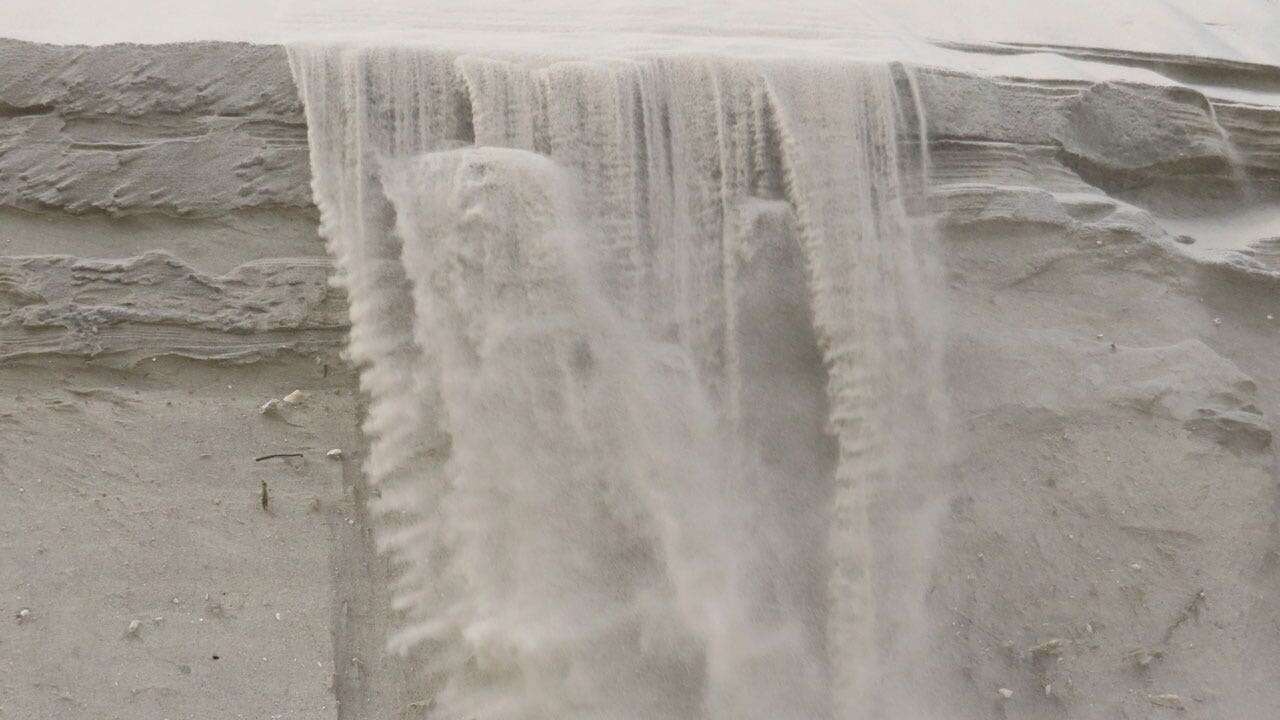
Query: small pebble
270, 407
1049, 647
334, 454
135, 629
1168, 700
1217, 321
24, 615
1005, 693
294, 398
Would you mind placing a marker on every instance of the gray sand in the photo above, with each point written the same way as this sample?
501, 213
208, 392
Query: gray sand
1111, 546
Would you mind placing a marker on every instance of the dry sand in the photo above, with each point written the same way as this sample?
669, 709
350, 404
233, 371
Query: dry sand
1111, 549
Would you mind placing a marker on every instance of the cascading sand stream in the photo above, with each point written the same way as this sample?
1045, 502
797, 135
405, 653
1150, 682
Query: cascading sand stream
651, 346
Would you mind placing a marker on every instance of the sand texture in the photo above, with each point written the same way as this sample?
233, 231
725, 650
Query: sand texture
1110, 547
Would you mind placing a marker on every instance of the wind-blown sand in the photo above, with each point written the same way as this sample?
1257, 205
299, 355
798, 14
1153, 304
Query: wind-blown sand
1110, 546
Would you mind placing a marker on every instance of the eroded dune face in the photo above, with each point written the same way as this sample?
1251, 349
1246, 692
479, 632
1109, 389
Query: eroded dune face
597, 431
692, 387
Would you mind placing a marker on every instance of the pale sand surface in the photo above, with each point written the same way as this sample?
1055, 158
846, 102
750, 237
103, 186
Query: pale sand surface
1098, 490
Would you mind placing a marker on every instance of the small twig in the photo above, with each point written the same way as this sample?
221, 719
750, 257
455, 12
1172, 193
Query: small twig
1191, 611
265, 499
276, 455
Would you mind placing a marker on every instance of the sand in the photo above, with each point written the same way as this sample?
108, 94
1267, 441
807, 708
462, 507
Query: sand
1110, 547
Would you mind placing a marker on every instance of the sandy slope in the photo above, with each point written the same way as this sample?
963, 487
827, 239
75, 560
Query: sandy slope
1112, 535
150, 307
133, 496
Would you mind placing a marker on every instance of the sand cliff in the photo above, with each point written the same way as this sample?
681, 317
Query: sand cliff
1111, 549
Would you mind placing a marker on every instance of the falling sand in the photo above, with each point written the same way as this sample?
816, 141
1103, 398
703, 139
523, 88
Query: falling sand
654, 358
